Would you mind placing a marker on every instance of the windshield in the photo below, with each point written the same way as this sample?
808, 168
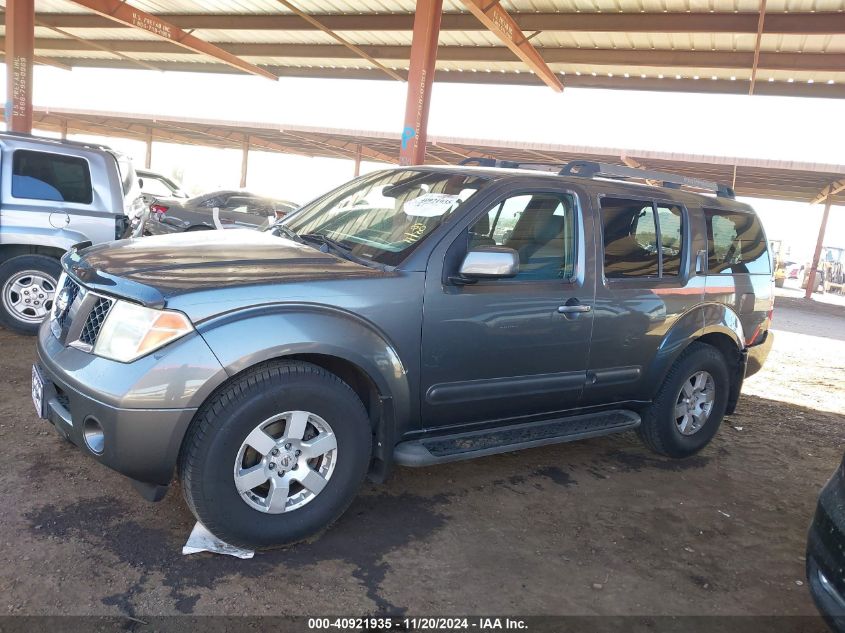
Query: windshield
385, 216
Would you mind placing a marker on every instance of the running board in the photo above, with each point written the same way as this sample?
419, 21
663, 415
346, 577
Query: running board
451, 448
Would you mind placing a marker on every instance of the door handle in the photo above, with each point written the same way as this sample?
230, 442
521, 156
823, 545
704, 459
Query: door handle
574, 309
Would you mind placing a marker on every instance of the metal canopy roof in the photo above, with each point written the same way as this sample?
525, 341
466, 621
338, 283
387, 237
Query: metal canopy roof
783, 180
790, 47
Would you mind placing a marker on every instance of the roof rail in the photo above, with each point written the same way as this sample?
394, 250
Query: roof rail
547, 166
35, 137
489, 162
591, 169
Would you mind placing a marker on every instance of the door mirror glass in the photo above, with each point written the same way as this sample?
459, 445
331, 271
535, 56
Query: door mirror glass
490, 262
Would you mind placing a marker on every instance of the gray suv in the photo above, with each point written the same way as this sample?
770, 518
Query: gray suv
414, 316
54, 194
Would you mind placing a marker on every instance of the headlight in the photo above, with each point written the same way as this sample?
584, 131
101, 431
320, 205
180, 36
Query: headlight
60, 305
131, 331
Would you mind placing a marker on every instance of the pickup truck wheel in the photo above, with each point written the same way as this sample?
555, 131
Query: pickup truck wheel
690, 405
27, 289
276, 456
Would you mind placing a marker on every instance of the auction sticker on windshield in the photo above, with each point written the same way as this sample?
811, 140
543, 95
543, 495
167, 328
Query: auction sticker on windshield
430, 205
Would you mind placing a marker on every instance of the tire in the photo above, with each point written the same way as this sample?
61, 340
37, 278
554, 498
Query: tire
37, 274
198, 227
660, 430
213, 447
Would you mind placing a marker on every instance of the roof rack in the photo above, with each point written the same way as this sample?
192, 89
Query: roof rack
550, 166
591, 169
35, 137
489, 162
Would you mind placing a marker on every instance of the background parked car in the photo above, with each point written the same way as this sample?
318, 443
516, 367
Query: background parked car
55, 194
238, 209
825, 547
155, 185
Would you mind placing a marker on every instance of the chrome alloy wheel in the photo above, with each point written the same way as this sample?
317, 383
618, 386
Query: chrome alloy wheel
695, 402
28, 295
285, 462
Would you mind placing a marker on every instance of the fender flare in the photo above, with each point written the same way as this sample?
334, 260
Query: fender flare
244, 338
702, 320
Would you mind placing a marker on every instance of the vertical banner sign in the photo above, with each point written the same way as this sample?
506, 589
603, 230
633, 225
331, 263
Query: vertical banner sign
21, 106
420, 77
20, 43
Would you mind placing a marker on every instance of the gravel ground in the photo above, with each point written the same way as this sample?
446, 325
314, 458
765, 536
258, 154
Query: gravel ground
596, 527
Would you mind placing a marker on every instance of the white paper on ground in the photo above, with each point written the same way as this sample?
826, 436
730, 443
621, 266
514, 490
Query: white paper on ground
201, 540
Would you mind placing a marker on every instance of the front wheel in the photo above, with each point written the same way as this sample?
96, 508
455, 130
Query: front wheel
276, 456
690, 405
27, 289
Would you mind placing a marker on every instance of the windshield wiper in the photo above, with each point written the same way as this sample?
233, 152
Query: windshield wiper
287, 232
327, 244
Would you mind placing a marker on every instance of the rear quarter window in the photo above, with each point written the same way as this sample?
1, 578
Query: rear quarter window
735, 243
46, 176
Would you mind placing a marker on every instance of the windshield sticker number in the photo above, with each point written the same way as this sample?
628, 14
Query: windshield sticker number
430, 205
415, 232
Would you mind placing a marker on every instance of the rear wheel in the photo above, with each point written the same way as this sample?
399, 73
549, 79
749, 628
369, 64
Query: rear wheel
690, 405
276, 456
27, 290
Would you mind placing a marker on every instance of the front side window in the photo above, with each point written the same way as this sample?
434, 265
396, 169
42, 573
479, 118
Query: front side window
540, 227
384, 217
45, 176
735, 243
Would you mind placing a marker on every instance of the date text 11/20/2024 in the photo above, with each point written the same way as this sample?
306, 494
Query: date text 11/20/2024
418, 624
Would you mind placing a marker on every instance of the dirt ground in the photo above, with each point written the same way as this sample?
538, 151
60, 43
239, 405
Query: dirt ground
596, 527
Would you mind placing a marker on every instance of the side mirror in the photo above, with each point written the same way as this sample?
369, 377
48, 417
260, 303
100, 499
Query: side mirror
141, 183
487, 262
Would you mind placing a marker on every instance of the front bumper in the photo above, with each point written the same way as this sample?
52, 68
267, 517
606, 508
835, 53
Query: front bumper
142, 435
826, 552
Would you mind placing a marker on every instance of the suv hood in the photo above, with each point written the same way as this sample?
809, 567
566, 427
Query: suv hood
150, 270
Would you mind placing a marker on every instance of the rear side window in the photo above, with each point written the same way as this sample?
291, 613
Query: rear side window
44, 176
735, 243
630, 239
641, 239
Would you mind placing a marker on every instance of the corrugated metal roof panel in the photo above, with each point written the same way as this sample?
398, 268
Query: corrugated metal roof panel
606, 54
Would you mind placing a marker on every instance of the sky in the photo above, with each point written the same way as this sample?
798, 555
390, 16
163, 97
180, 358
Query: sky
780, 128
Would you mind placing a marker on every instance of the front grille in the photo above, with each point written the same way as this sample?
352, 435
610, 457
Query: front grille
95, 320
72, 292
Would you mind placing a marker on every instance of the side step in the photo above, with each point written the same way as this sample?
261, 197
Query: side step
451, 448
